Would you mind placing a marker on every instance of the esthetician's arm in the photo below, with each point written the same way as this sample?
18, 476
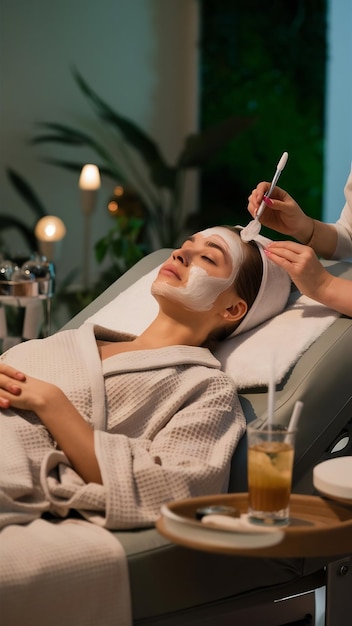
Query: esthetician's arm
283, 214
310, 277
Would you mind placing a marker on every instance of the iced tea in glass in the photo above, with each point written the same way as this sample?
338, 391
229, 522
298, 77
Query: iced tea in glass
270, 464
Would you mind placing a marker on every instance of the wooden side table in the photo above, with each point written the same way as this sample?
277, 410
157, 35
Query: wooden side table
319, 527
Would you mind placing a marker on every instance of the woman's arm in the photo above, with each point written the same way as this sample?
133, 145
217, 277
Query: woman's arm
181, 448
283, 214
310, 277
72, 433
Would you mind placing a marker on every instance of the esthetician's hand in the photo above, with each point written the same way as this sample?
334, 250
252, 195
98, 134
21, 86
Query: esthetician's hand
282, 213
304, 268
310, 277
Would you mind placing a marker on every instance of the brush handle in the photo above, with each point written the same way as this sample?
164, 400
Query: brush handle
280, 166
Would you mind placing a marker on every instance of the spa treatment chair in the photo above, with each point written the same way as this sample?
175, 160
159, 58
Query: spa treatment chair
176, 586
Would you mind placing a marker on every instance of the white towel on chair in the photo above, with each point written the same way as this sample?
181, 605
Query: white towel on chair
247, 358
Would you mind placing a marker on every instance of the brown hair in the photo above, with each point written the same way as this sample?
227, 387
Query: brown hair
246, 284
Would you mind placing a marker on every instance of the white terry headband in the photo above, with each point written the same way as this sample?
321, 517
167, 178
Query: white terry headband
273, 292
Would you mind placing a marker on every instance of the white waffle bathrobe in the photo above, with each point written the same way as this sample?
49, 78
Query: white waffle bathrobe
166, 424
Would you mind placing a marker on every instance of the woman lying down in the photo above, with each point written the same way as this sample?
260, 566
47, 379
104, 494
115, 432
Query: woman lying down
114, 425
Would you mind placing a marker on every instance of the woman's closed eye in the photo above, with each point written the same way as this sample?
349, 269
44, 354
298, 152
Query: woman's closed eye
208, 259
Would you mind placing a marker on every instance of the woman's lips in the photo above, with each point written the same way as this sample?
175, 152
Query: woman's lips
169, 270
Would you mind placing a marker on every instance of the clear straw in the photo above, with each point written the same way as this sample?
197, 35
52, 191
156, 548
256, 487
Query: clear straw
296, 414
271, 393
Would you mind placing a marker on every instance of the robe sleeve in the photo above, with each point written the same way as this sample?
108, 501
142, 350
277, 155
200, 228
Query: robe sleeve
189, 456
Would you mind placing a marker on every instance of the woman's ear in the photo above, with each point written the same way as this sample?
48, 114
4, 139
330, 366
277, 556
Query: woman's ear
236, 311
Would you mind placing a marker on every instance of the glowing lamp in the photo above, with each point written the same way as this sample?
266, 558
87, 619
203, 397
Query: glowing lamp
48, 231
89, 183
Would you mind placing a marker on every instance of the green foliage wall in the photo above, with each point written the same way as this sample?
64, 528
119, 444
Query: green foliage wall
266, 60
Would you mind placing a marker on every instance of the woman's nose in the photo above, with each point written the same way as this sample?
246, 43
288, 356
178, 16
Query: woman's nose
180, 255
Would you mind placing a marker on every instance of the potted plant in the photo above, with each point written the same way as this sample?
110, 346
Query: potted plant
159, 184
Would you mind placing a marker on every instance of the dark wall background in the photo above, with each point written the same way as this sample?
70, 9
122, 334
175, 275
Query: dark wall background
266, 63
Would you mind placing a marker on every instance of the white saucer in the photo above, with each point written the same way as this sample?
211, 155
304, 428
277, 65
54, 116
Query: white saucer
223, 535
333, 478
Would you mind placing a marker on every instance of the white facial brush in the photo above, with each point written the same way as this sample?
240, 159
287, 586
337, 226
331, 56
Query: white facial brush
253, 228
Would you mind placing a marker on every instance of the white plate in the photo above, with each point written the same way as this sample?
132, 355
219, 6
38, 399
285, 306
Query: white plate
226, 531
333, 478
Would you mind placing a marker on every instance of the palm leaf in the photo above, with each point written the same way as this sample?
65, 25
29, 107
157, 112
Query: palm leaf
71, 136
27, 193
62, 132
161, 174
77, 167
7, 221
202, 146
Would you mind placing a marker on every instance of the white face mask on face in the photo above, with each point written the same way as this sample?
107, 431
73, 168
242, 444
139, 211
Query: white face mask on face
201, 290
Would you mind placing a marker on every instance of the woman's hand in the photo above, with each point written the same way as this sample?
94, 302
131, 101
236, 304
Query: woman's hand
303, 266
9, 384
20, 391
282, 213
310, 277
68, 428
